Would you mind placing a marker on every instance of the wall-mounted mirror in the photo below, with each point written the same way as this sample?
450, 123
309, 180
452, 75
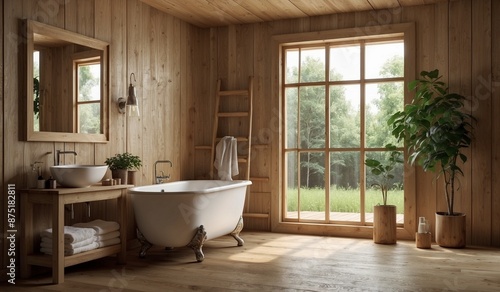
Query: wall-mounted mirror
67, 85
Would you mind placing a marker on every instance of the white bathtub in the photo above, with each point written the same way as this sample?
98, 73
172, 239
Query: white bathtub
186, 213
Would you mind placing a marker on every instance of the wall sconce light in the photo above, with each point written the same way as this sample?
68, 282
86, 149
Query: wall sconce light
131, 104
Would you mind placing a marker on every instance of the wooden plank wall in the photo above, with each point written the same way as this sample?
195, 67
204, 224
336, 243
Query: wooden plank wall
153, 45
457, 37
176, 67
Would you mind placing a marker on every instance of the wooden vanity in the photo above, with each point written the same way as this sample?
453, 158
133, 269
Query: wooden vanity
57, 199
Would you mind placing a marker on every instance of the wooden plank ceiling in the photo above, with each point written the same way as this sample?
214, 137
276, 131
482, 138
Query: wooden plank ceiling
212, 13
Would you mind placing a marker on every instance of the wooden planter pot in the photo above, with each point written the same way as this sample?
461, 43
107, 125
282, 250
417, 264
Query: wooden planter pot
450, 230
423, 240
384, 224
122, 174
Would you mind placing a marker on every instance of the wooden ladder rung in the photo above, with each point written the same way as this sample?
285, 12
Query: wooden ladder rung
233, 114
260, 146
256, 215
238, 139
233, 92
263, 179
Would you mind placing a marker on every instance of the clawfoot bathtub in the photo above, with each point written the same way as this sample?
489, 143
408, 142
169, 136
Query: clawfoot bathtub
188, 213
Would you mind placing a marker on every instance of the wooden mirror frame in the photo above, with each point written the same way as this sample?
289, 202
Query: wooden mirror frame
55, 34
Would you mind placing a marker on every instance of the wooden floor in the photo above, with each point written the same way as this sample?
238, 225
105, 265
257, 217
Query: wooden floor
283, 262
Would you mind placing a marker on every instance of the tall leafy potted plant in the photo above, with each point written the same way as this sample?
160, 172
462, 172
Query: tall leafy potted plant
121, 164
435, 130
384, 216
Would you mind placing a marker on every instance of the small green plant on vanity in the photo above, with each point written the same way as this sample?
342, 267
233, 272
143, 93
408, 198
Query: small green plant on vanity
123, 161
384, 172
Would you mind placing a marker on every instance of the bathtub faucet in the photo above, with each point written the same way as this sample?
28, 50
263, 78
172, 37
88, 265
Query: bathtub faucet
162, 177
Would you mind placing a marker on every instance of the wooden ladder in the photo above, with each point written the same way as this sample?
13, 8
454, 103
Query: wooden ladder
243, 159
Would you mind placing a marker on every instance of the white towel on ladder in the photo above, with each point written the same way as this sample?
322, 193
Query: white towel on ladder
226, 158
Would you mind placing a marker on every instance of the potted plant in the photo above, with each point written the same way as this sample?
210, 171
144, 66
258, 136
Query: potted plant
121, 164
435, 131
384, 216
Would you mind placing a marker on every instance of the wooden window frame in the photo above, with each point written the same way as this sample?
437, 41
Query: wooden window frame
406, 31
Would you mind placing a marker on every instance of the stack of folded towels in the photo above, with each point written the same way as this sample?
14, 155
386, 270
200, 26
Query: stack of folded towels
106, 232
76, 240
83, 237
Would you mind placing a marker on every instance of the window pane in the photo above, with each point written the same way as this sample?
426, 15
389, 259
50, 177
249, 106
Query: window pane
312, 186
382, 101
395, 195
345, 198
345, 63
292, 66
292, 98
384, 60
312, 117
89, 82
89, 118
291, 191
344, 116
312, 65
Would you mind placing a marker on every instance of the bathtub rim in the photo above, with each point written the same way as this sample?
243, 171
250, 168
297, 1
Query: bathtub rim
227, 185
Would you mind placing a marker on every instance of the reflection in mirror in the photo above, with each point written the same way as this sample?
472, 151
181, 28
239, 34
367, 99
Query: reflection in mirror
88, 96
67, 86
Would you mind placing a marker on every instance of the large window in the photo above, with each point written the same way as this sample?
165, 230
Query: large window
337, 96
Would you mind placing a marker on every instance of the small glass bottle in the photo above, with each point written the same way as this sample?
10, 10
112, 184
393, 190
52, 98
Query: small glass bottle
422, 225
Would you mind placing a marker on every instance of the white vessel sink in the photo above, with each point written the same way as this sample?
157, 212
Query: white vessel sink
78, 176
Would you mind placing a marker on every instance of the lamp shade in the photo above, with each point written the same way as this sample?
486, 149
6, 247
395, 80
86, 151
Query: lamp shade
132, 102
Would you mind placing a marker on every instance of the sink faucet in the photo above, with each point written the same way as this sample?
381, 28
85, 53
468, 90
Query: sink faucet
57, 157
160, 178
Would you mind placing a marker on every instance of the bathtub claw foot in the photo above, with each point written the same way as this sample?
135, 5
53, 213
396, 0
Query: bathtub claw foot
145, 244
197, 243
236, 232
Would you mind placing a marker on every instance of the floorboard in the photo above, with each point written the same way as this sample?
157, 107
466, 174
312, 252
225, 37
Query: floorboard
285, 262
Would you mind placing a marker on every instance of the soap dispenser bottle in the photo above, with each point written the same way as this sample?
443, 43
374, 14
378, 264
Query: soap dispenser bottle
422, 225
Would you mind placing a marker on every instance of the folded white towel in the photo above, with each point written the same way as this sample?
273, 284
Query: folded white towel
107, 236
108, 242
47, 243
100, 226
72, 234
72, 251
226, 158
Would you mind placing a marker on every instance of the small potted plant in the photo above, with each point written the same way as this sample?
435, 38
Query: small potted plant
384, 216
121, 164
436, 129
